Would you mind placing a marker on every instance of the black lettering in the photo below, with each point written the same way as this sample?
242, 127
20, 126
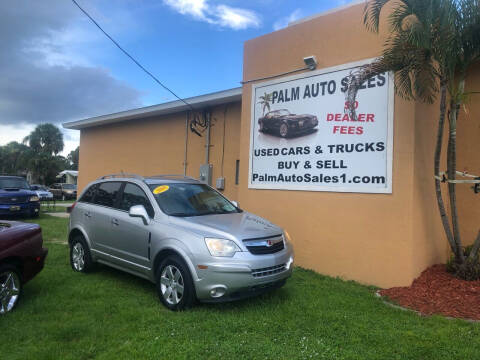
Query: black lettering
332, 87
380, 146
296, 93
307, 92
344, 84
274, 96
381, 80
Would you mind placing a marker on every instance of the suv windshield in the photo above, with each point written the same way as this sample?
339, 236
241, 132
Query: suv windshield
185, 199
69, 186
14, 183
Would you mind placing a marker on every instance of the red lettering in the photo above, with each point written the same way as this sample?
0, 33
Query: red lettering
361, 117
359, 130
329, 117
337, 117
347, 105
370, 117
335, 129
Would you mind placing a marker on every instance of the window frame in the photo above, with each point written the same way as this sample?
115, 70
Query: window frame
124, 185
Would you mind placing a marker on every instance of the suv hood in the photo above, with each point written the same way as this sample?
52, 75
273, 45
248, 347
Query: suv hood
238, 226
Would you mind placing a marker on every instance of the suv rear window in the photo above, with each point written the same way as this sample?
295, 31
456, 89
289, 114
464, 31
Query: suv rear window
89, 195
107, 194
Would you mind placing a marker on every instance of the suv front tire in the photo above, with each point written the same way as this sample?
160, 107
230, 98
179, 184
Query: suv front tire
174, 284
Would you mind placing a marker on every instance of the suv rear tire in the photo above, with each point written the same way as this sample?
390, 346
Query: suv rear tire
80, 258
174, 284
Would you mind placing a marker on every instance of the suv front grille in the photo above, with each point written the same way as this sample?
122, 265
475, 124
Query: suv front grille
272, 270
13, 200
263, 246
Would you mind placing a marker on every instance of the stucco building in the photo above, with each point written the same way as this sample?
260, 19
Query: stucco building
385, 238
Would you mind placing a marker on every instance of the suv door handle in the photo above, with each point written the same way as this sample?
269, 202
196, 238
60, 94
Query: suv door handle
87, 214
115, 222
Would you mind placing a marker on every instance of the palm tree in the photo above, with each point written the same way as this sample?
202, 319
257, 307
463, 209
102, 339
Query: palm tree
432, 44
46, 138
265, 102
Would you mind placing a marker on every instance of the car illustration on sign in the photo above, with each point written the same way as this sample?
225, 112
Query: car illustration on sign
285, 124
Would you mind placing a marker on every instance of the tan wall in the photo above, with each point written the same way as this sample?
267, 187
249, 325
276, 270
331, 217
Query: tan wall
386, 240
381, 239
468, 138
156, 146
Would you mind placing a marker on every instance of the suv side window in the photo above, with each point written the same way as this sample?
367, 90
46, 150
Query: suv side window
107, 194
134, 195
89, 195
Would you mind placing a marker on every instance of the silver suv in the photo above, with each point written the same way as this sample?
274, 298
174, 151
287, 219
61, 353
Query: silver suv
180, 234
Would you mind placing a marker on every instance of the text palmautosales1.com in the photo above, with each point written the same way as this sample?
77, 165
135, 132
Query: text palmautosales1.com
319, 179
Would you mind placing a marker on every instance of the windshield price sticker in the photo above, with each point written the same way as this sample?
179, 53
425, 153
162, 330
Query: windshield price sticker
160, 189
302, 137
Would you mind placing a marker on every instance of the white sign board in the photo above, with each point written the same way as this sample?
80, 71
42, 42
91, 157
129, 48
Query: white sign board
302, 138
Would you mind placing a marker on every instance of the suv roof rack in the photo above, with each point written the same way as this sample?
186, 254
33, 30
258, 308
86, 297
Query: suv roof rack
121, 175
170, 176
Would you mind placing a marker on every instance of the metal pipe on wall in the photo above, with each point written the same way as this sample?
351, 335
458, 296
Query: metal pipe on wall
208, 117
187, 115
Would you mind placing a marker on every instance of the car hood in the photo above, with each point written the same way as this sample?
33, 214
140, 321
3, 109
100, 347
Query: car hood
16, 192
238, 226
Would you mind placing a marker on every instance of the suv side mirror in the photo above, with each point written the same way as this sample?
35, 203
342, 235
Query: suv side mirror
139, 211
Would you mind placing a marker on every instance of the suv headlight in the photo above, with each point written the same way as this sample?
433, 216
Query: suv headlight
286, 237
34, 198
221, 247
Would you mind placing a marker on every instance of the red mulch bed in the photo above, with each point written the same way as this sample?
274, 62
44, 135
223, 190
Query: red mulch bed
436, 291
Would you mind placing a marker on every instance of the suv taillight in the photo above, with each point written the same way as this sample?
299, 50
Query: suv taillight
70, 208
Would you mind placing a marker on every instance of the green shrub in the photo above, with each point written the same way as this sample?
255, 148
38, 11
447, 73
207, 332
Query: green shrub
468, 271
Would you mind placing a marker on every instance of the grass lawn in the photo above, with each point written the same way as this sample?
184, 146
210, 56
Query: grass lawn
52, 208
112, 315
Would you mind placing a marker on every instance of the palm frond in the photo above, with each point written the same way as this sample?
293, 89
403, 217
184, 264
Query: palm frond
371, 14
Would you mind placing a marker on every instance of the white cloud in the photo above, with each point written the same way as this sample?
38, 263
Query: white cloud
237, 19
283, 22
223, 15
196, 8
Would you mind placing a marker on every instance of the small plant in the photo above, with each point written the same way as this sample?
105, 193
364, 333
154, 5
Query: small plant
470, 271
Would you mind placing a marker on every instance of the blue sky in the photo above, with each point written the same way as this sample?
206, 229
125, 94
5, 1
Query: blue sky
188, 53
56, 66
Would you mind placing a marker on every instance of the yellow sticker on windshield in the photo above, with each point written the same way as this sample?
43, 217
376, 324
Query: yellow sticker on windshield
160, 189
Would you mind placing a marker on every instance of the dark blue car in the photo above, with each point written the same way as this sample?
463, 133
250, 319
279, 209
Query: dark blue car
16, 198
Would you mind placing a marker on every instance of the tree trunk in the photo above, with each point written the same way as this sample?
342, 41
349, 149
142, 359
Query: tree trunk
438, 153
475, 248
452, 171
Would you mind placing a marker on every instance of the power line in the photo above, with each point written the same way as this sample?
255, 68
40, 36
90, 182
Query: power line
131, 57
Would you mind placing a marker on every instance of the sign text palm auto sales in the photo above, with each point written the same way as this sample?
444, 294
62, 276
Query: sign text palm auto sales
302, 138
